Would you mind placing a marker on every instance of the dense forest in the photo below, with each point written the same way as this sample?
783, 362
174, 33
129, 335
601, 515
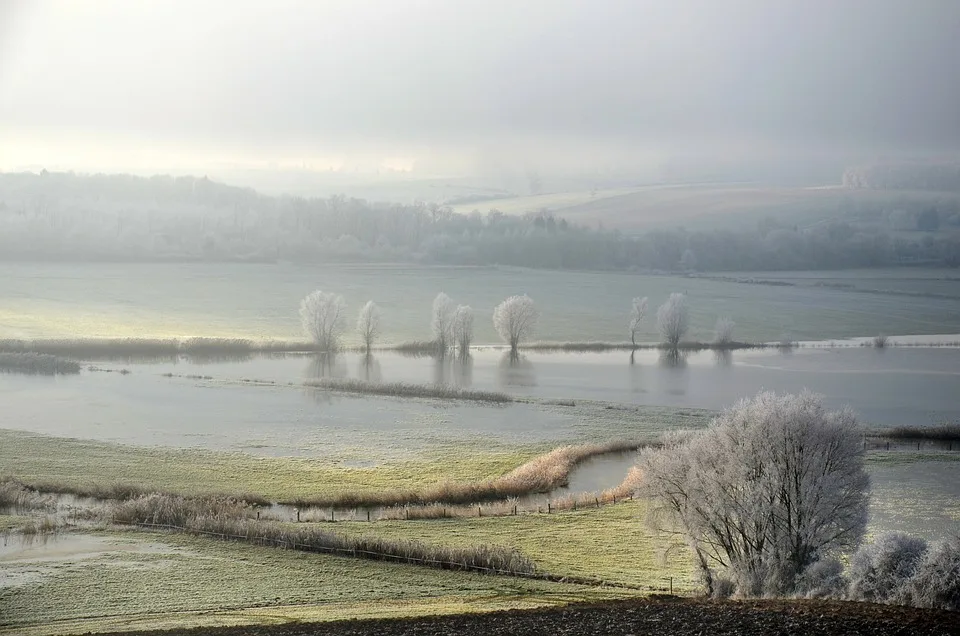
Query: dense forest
65, 216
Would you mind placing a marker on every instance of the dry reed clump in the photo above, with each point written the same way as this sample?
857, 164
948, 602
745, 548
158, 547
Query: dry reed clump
941, 433
403, 389
37, 363
541, 474
20, 498
228, 519
123, 492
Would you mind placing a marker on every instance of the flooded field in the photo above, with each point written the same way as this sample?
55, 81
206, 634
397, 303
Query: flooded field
260, 300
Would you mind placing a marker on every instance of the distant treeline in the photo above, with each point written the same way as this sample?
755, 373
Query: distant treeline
905, 176
119, 217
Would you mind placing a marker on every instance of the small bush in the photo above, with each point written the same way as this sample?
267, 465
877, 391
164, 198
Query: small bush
879, 571
723, 332
823, 579
880, 341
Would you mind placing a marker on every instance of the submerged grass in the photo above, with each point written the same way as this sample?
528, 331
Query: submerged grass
404, 389
36, 363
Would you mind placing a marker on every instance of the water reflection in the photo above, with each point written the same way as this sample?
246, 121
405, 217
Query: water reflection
723, 357
463, 371
674, 377
636, 376
369, 369
516, 370
326, 365
673, 359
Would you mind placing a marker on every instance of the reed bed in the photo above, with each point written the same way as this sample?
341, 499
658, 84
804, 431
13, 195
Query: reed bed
540, 475
416, 348
626, 346
230, 520
408, 390
20, 498
123, 492
941, 433
37, 364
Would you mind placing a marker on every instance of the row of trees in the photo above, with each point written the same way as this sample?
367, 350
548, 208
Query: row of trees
323, 317
773, 493
64, 216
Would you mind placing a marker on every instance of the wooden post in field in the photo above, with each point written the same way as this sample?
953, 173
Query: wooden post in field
479, 512
368, 514
298, 515
548, 508
331, 515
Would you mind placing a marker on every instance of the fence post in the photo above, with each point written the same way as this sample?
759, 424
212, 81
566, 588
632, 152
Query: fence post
479, 511
671, 585
514, 511
332, 518
298, 515
548, 508
368, 514
598, 501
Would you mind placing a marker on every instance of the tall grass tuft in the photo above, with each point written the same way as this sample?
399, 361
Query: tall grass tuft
404, 389
20, 498
37, 364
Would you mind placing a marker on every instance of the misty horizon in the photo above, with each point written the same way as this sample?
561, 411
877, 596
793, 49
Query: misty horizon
444, 89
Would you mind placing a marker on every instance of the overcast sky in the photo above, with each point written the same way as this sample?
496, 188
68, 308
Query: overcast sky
161, 83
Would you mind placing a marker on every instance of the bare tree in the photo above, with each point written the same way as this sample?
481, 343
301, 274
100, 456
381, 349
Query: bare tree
441, 322
463, 329
368, 324
769, 488
322, 317
515, 319
723, 332
637, 311
673, 319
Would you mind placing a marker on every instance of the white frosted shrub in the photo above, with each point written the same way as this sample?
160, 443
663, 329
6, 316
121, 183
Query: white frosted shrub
879, 571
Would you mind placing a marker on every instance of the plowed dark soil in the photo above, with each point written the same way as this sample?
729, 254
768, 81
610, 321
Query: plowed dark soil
650, 617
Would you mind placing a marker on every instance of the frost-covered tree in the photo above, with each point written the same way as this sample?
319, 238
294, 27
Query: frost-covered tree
637, 311
463, 329
441, 322
368, 324
515, 319
723, 331
772, 485
322, 316
673, 319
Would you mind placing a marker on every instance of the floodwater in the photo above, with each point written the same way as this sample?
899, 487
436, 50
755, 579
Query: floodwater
258, 405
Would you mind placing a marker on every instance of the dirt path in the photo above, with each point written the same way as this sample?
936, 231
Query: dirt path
654, 617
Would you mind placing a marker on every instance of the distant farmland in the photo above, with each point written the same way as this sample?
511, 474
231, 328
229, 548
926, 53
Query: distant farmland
701, 205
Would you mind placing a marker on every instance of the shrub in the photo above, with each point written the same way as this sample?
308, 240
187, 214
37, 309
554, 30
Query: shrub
823, 579
673, 319
879, 571
880, 341
936, 581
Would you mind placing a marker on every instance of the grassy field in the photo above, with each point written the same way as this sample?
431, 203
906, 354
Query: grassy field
151, 580
611, 543
37, 458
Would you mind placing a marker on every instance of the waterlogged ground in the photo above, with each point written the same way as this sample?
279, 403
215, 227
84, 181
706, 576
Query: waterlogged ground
260, 300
